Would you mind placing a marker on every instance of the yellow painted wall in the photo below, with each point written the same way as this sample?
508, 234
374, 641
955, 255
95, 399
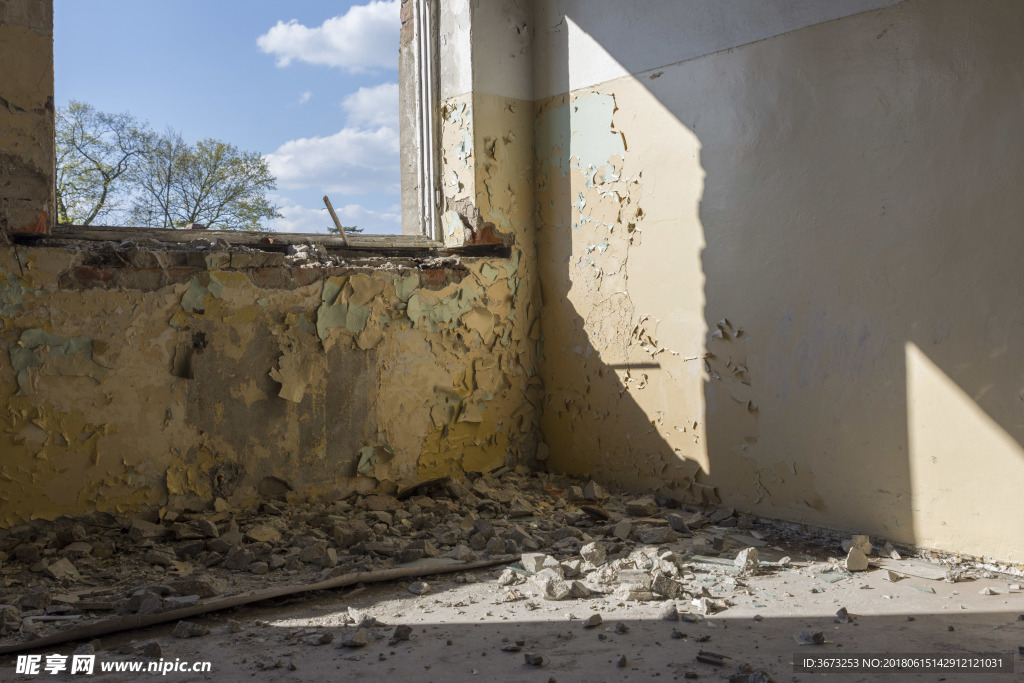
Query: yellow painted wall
788, 270
126, 386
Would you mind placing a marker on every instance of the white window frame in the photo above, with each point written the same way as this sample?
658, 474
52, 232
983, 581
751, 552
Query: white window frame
421, 190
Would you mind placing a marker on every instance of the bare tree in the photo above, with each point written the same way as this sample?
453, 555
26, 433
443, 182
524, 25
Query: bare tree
95, 153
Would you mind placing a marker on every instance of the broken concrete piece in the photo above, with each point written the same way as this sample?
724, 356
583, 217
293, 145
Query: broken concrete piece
571, 568
159, 557
533, 562
520, 508
151, 649
76, 550
856, 561
534, 660
669, 612
593, 554
62, 569
593, 492
578, 589
705, 606
357, 639
401, 634
551, 584
891, 576
190, 629
678, 524
263, 534
10, 618
592, 621
656, 534
987, 590
720, 515
419, 588
811, 638
206, 587
860, 542
141, 530
642, 507
324, 638
623, 530
747, 561
666, 587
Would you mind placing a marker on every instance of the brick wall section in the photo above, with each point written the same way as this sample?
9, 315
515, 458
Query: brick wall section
408, 15
26, 116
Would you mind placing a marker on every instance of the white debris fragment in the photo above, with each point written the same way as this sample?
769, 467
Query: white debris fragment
856, 561
747, 561
551, 584
593, 554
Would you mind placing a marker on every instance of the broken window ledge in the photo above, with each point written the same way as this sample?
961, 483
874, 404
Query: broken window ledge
352, 246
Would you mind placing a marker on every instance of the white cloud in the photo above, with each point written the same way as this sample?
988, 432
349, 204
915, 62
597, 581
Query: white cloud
365, 37
374, 106
352, 161
304, 97
298, 218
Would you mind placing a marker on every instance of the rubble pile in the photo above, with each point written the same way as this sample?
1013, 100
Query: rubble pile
573, 539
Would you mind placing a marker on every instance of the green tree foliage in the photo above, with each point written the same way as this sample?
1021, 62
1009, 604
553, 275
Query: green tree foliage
348, 230
110, 165
211, 182
95, 151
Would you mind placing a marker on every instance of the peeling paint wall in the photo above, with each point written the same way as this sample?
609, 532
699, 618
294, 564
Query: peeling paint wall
134, 377
26, 116
777, 260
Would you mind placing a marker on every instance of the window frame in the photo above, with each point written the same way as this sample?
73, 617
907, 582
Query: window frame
420, 230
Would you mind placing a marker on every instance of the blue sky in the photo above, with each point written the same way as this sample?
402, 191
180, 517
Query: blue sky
310, 84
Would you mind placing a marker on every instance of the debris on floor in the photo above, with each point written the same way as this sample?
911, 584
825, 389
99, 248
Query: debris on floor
575, 542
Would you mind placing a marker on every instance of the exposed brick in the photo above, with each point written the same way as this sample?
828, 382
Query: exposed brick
40, 226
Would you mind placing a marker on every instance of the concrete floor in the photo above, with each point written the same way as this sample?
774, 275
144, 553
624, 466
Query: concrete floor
459, 629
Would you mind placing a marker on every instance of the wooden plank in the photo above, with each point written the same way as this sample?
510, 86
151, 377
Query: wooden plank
255, 239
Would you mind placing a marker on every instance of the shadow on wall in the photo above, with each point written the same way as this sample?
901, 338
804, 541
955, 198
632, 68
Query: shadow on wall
599, 351
858, 214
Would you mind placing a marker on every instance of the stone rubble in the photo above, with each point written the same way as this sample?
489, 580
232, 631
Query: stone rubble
573, 540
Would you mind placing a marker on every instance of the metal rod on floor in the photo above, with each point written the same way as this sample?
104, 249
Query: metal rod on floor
135, 621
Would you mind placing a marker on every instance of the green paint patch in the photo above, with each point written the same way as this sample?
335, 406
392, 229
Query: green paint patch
12, 296
336, 313
24, 354
356, 318
405, 287
216, 287
489, 272
192, 299
447, 310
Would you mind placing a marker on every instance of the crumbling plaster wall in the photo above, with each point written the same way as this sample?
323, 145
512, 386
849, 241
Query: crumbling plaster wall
777, 259
135, 376
26, 116
176, 378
